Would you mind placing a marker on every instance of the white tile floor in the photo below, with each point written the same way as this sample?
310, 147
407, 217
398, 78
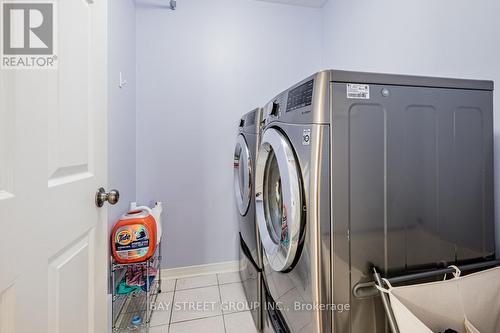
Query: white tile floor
213, 303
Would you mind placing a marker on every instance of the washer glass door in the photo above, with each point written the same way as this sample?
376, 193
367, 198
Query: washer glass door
242, 175
278, 199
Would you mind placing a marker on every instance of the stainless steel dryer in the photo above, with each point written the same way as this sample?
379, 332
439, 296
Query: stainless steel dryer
250, 249
360, 169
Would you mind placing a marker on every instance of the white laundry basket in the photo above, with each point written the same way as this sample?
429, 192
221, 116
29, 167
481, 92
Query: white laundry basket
468, 304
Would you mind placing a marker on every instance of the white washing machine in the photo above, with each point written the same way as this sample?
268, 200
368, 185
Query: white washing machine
245, 152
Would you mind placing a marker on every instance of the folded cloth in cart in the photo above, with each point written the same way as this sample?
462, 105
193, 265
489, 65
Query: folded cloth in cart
123, 289
150, 271
133, 276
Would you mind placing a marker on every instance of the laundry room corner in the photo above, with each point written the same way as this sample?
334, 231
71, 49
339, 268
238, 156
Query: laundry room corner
249, 166
121, 99
431, 38
198, 67
122, 138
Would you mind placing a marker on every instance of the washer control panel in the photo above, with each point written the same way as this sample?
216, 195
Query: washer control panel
300, 96
292, 106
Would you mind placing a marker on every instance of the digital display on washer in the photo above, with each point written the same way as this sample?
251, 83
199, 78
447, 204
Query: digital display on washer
300, 96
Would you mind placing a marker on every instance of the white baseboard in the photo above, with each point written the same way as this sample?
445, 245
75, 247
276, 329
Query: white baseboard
182, 272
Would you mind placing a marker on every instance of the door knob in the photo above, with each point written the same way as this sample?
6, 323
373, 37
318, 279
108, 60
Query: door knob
101, 197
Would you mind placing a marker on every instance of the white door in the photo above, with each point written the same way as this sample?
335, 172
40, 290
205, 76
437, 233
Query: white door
54, 243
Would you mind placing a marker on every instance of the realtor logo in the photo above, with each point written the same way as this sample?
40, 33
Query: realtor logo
28, 35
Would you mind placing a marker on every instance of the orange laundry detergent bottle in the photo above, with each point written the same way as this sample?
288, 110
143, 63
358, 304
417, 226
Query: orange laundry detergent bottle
133, 238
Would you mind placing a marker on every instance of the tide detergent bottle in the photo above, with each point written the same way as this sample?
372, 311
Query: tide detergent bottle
156, 212
133, 238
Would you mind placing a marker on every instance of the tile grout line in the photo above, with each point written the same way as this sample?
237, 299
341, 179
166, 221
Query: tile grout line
210, 285
172, 310
196, 319
200, 318
220, 298
203, 286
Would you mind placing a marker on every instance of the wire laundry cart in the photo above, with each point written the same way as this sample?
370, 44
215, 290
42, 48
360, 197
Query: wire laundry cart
463, 304
138, 302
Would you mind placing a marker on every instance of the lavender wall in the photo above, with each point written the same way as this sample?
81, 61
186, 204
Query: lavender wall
121, 105
199, 68
455, 38
202, 66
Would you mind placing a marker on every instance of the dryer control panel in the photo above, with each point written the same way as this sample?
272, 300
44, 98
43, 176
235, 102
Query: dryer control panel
300, 96
296, 98
306, 102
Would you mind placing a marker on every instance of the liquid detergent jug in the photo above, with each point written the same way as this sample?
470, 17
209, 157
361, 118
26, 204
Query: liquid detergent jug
134, 237
156, 212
